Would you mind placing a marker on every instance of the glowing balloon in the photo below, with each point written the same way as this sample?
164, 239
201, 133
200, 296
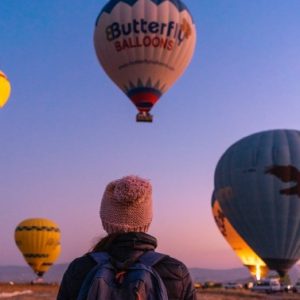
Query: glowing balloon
257, 184
144, 46
4, 89
39, 242
248, 257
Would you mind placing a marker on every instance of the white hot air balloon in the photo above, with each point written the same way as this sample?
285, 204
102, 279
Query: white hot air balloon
144, 46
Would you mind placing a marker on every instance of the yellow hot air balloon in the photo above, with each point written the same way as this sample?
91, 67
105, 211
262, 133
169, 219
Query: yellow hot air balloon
249, 258
39, 241
4, 89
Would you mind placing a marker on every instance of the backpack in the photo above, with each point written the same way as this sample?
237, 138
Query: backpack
135, 279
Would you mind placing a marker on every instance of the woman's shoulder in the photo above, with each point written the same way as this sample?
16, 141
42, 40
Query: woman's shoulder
74, 277
80, 266
172, 267
176, 278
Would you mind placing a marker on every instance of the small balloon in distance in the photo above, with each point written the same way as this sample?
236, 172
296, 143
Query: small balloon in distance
4, 89
38, 239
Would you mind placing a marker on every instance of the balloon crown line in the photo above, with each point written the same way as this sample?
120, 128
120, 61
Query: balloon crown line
34, 255
38, 228
158, 86
111, 4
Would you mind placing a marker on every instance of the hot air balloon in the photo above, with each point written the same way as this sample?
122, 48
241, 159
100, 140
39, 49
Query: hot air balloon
39, 242
144, 46
4, 89
249, 258
257, 184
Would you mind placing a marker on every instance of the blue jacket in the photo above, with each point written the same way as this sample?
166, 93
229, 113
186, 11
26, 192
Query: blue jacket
174, 273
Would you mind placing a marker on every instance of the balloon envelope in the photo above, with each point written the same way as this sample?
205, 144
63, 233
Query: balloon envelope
257, 184
39, 242
144, 46
248, 257
4, 89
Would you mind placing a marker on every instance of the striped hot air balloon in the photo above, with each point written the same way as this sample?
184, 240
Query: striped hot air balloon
144, 46
257, 184
39, 242
4, 89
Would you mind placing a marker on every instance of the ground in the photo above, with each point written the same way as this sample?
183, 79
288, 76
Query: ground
49, 292
28, 292
221, 294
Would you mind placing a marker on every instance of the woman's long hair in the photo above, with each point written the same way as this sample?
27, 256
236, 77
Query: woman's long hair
104, 243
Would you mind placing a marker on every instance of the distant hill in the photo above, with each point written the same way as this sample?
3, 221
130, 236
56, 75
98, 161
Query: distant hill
24, 274
202, 275
238, 274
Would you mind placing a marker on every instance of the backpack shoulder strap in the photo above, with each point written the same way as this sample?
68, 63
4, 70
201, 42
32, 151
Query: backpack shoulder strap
151, 258
100, 258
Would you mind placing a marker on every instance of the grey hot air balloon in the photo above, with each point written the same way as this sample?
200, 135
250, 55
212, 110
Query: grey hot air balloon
257, 183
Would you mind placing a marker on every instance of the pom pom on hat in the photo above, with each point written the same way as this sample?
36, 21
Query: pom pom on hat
131, 190
127, 205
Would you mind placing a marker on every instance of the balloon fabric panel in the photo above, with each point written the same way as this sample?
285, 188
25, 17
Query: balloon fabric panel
248, 257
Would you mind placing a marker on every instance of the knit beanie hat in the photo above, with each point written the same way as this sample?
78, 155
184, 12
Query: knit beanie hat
127, 205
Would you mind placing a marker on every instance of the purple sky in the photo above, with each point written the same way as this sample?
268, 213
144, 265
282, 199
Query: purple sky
67, 130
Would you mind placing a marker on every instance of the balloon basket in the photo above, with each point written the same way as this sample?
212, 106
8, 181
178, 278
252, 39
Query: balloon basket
144, 117
38, 280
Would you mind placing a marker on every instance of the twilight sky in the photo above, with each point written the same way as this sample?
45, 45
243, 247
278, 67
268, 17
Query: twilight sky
67, 130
